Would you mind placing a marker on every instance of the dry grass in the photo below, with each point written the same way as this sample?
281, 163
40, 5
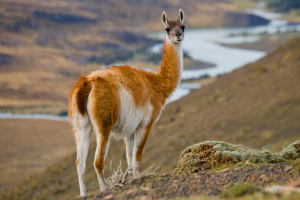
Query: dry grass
28, 146
255, 106
34, 81
120, 178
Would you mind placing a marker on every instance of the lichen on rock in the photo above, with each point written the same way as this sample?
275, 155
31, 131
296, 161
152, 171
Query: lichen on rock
210, 154
292, 151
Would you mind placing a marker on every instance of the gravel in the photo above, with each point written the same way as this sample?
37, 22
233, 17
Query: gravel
205, 183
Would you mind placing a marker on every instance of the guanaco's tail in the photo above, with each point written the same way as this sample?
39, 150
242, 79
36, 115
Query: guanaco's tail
79, 95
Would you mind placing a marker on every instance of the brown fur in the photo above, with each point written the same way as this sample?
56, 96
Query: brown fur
173, 24
143, 86
81, 90
106, 105
130, 78
106, 102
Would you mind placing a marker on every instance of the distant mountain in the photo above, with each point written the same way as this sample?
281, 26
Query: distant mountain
284, 5
127, 15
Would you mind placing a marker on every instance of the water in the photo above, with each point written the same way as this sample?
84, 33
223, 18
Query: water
33, 116
204, 45
263, 14
183, 90
201, 45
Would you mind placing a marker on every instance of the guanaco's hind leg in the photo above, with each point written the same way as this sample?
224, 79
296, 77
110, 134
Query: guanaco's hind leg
104, 110
82, 133
100, 154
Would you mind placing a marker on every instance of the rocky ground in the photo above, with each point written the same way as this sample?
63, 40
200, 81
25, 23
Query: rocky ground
203, 183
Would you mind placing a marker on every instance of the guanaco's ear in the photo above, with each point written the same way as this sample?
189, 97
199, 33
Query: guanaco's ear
164, 19
181, 16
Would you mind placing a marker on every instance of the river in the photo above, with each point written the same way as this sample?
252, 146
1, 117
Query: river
204, 45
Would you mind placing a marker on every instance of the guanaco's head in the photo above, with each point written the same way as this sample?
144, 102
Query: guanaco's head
174, 29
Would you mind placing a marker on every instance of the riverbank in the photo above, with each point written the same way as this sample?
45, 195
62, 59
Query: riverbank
267, 42
34, 116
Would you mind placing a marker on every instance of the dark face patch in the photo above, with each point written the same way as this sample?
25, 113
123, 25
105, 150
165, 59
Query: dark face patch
175, 31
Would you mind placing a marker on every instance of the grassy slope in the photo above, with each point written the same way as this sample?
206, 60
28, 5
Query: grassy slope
256, 105
28, 146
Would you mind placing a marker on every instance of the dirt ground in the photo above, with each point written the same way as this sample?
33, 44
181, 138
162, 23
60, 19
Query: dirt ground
203, 183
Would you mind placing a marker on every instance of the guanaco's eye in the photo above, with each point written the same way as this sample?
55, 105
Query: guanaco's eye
182, 27
168, 30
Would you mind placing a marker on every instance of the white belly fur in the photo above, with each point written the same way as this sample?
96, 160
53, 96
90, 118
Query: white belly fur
131, 117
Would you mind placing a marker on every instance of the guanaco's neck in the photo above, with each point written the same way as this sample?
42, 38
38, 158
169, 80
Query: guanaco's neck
170, 70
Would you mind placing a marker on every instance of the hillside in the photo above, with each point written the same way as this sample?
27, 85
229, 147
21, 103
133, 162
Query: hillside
45, 45
28, 146
289, 8
256, 106
284, 5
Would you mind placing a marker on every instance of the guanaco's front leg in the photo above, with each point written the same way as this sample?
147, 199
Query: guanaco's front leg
129, 142
140, 140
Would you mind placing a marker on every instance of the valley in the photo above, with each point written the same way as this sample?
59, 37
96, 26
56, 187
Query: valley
46, 45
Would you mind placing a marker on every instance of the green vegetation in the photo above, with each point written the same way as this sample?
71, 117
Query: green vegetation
211, 154
296, 165
254, 196
239, 190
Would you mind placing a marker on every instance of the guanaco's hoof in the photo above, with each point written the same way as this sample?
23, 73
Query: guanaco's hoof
105, 190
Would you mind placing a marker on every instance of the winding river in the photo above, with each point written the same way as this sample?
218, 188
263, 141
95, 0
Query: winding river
204, 45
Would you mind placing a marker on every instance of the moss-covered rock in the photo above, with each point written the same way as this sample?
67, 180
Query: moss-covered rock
211, 154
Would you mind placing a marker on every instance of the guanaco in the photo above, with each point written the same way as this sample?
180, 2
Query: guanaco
124, 103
